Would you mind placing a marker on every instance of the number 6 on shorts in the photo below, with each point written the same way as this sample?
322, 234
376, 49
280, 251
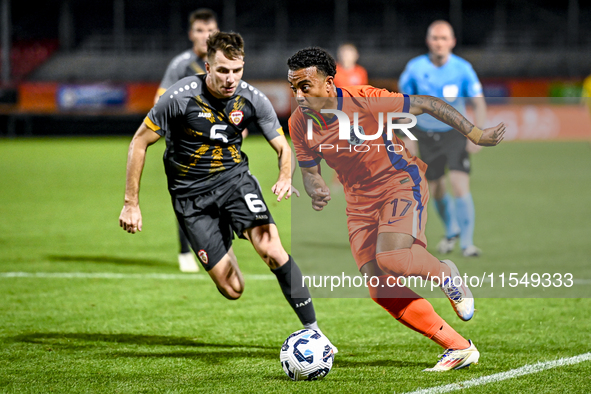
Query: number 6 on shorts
255, 204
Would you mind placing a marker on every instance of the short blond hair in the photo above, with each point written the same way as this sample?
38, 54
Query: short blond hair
231, 45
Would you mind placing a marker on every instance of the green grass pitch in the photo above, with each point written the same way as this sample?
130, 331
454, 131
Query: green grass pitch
59, 204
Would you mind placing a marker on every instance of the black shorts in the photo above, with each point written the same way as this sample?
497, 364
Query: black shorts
441, 150
209, 219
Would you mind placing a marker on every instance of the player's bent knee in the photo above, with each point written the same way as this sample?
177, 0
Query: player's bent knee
227, 277
272, 253
395, 262
229, 292
371, 268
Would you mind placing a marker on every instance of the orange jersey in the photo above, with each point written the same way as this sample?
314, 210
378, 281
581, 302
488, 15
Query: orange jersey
362, 166
354, 76
385, 186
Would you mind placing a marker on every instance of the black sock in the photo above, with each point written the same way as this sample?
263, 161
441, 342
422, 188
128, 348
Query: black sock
298, 296
185, 247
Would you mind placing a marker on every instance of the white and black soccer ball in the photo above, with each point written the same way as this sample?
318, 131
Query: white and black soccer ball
306, 355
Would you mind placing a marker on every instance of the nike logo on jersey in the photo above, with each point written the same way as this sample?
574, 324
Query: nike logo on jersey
394, 221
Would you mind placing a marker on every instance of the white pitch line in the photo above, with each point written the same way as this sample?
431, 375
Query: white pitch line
513, 373
113, 275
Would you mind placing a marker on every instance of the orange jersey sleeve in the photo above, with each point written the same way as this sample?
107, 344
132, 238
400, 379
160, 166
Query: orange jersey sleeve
297, 130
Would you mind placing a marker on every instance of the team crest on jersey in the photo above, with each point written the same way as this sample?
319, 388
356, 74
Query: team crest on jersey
353, 139
203, 256
236, 117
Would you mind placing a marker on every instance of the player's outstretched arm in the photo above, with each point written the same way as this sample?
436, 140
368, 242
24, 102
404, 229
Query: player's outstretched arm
131, 217
283, 185
439, 109
316, 187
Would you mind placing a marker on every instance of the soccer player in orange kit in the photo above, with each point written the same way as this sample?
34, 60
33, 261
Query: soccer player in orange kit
385, 189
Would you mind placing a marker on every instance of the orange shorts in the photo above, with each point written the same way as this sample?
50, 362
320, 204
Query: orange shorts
401, 208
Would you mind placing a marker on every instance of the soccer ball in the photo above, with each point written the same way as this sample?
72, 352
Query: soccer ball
306, 355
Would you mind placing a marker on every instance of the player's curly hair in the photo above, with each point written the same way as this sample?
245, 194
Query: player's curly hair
313, 57
231, 45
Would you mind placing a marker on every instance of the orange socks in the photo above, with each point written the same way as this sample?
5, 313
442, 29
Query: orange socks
416, 313
449, 338
415, 261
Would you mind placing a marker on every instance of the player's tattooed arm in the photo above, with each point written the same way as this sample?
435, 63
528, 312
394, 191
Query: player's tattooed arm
439, 109
316, 187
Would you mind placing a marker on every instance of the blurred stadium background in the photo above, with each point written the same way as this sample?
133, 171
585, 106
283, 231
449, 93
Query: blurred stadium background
66, 62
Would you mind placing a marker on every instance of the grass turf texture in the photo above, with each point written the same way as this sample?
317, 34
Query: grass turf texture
60, 200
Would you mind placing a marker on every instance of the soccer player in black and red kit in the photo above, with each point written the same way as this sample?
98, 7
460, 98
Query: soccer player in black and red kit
213, 192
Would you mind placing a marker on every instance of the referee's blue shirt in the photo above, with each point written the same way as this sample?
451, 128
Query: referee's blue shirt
452, 82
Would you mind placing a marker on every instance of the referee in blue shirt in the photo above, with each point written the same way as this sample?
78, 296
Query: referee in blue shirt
442, 74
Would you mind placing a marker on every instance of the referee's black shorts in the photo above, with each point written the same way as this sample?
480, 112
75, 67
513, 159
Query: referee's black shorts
441, 150
209, 219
